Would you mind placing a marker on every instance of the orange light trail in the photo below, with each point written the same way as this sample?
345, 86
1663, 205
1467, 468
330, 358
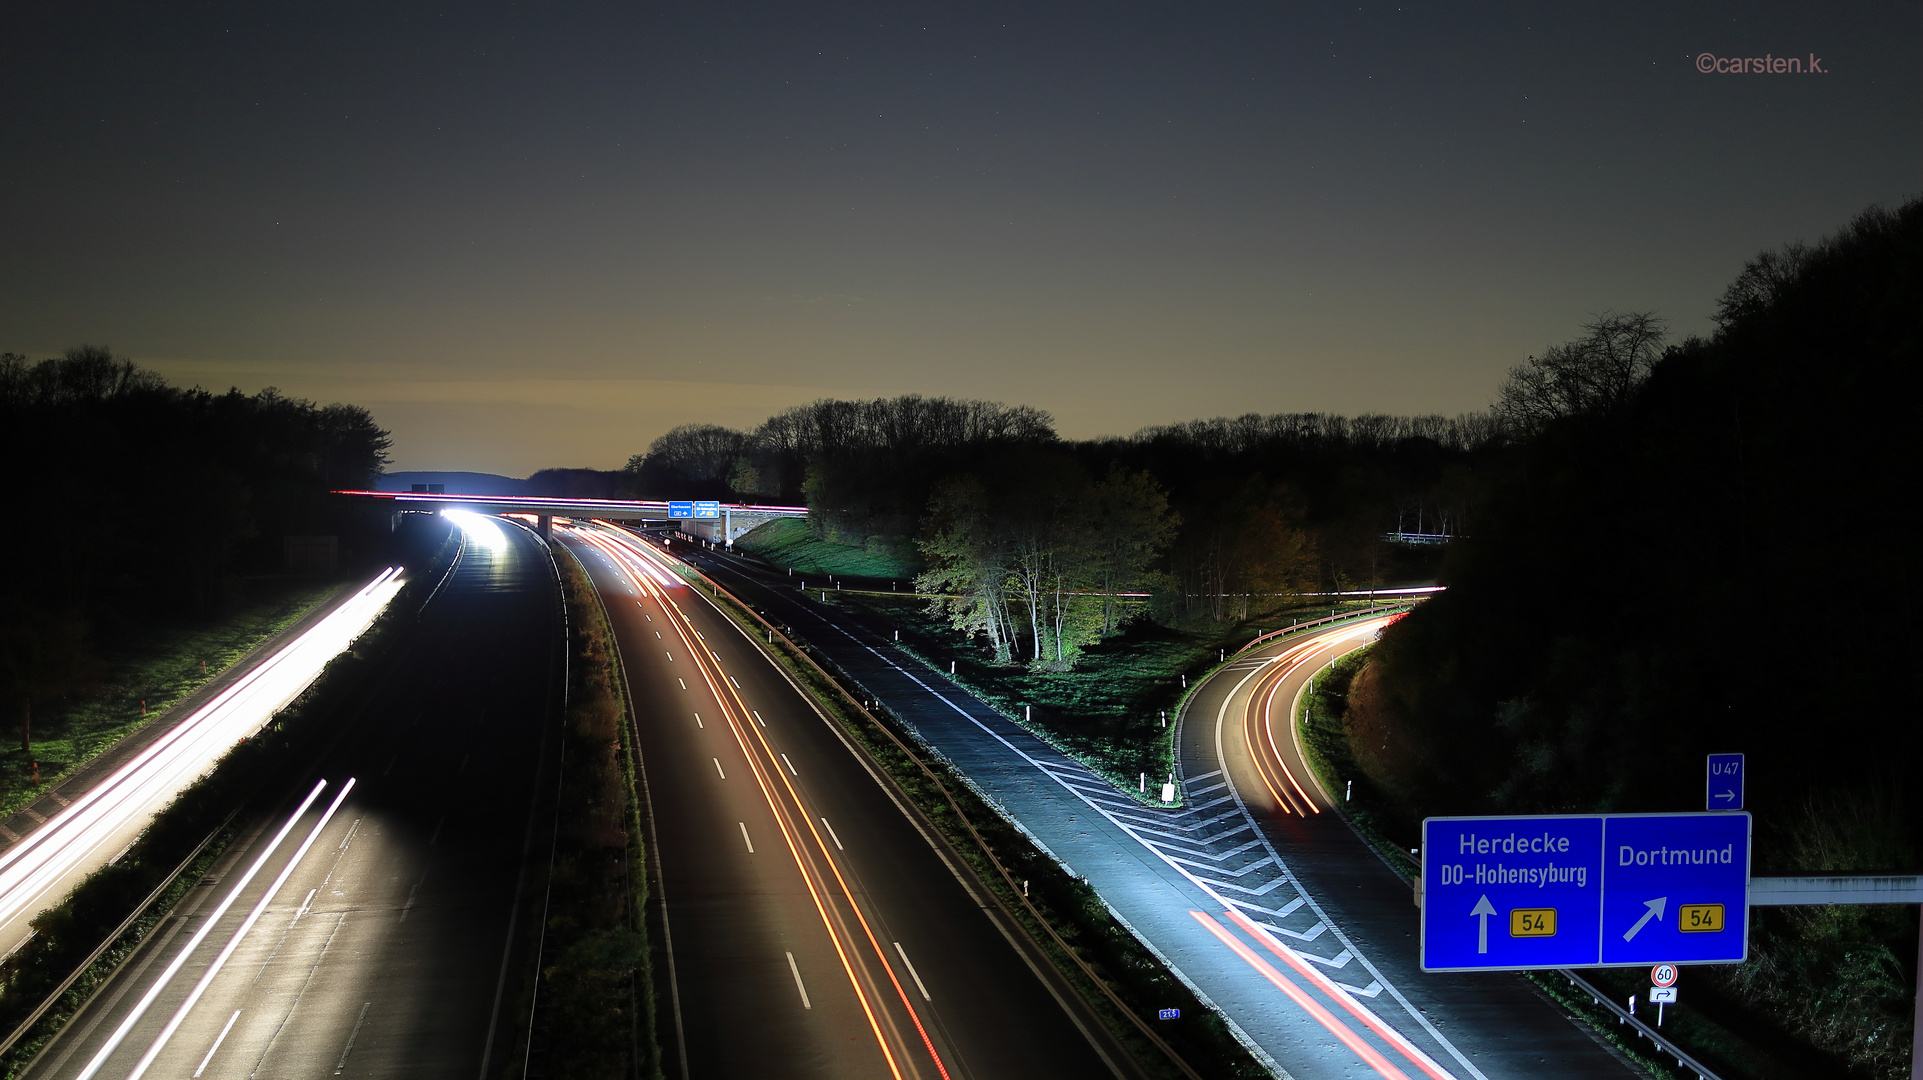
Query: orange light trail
734, 710
1314, 1008
1327, 985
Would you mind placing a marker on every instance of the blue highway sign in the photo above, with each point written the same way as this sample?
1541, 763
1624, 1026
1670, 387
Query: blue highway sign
1587, 890
680, 510
1510, 892
708, 509
1675, 889
1724, 787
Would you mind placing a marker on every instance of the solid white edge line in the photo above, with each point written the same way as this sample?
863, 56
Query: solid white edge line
147, 999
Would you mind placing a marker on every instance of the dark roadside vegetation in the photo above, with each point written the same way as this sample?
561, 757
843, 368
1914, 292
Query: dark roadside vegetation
153, 541
596, 1014
1715, 554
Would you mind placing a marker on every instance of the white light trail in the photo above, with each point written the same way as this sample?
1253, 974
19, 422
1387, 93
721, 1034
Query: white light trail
83, 834
480, 529
207, 927
233, 943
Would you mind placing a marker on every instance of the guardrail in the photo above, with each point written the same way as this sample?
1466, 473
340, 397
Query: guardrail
1682, 1057
1325, 621
66, 984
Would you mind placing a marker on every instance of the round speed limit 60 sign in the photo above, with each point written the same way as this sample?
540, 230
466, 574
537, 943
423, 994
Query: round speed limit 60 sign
1663, 975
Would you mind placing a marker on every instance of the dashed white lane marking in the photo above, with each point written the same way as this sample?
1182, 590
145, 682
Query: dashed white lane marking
916, 975
342, 1063
831, 834
698, 723
758, 718
744, 837
796, 972
683, 682
717, 768
218, 1040
790, 764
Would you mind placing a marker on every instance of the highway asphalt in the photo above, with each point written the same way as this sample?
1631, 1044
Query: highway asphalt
1240, 722
368, 933
1314, 966
816, 929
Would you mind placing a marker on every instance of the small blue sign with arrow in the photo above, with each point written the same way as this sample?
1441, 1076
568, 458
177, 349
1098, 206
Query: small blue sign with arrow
1724, 790
679, 510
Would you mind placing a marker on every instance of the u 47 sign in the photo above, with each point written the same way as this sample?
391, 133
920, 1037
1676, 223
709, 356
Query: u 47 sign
1617, 890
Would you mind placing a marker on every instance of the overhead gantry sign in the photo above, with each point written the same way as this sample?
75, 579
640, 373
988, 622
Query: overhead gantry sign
1590, 890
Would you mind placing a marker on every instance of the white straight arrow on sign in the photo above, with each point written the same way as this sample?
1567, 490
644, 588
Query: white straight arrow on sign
1655, 912
1482, 911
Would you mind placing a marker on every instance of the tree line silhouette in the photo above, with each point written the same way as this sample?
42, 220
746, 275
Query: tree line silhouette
136, 501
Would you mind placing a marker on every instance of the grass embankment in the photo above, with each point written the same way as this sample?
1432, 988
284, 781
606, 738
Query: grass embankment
1108, 711
1713, 1027
160, 666
596, 974
213, 811
790, 543
1063, 916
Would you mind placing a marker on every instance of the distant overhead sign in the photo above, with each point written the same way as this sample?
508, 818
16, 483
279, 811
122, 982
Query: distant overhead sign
1724, 789
1512, 893
679, 510
707, 510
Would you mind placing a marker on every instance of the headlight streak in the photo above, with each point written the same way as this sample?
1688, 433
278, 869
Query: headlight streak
96, 819
147, 1000
735, 710
220, 961
479, 529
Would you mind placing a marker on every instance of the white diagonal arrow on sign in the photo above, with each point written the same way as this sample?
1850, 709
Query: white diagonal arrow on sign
1655, 912
1482, 911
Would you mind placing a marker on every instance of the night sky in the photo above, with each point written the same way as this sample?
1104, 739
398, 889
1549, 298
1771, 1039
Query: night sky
540, 235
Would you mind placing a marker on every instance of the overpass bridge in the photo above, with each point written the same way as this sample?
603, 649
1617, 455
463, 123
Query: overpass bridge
733, 520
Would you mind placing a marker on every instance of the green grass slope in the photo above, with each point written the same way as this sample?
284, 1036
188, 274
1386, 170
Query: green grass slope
790, 543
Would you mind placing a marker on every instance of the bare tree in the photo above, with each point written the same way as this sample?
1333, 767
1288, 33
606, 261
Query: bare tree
1592, 375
